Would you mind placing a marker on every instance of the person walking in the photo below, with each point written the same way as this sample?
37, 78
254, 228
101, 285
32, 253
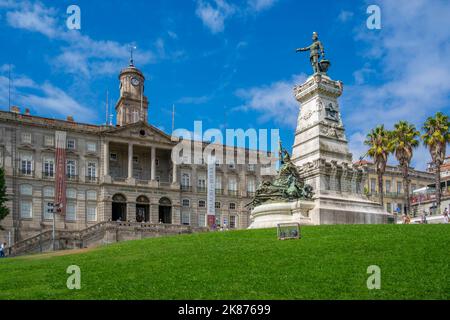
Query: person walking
2, 250
446, 216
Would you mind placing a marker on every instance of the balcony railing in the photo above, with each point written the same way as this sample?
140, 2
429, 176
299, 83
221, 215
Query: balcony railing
26, 173
219, 191
232, 193
201, 189
186, 188
250, 193
91, 179
48, 176
71, 177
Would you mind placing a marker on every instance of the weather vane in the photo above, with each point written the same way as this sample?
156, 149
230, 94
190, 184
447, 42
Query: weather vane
132, 47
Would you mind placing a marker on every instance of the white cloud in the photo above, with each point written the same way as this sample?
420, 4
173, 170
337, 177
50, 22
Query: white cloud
34, 17
43, 98
213, 16
260, 5
345, 16
80, 54
194, 100
273, 102
214, 13
410, 56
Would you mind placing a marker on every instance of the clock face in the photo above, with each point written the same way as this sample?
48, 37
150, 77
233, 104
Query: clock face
135, 81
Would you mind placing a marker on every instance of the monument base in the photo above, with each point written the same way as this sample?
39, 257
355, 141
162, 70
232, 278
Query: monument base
335, 209
271, 214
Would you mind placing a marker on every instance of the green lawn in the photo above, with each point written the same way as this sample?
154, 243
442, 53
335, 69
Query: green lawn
330, 262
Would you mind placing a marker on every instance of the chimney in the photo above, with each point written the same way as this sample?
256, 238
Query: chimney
15, 109
70, 119
27, 112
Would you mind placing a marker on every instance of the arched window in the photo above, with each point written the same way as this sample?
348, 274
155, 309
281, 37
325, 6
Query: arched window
119, 198
165, 201
142, 200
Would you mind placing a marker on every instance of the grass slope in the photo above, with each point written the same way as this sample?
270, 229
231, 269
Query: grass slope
330, 262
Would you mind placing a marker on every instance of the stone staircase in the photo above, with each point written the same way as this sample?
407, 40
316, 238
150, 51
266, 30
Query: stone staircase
99, 234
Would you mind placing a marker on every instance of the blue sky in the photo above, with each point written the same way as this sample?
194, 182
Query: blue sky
229, 63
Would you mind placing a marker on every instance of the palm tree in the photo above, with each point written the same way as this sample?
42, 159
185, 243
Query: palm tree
379, 144
404, 141
436, 137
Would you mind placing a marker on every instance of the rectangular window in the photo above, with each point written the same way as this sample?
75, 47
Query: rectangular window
202, 220
399, 187
71, 212
135, 159
388, 186
26, 137
91, 147
201, 184
219, 182
185, 218
91, 213
202, 204
92, 170
26, 209
251, 167
232, 184
48, 210
232, 206
49, 141
26, 190
217, 205
185, 180
49, 192
186, 203
71, 193
26, 166
251, 185
71, 169
373, 185
71, 144
49, 168
232, 222
91, 195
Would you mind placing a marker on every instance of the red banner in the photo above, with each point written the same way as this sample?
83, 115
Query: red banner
60, 177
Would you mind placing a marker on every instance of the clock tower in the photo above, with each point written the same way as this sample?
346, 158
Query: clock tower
132, 106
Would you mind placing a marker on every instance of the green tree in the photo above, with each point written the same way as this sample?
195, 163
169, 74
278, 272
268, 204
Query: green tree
405, 138
436, 136
379, 144
4, 211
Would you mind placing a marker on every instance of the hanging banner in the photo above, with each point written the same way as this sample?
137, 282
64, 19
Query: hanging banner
211, 191
60, 177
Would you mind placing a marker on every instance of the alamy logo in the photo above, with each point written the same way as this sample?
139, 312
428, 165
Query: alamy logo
374, 280
374, 20
73, 21
74, 280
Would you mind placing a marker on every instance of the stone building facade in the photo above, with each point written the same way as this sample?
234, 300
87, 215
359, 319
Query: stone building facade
113, 173
393, 184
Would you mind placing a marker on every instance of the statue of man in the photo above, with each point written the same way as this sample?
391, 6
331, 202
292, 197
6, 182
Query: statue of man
316, 51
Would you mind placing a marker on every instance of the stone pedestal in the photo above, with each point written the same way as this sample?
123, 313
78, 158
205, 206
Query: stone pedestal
271, 214
323, 158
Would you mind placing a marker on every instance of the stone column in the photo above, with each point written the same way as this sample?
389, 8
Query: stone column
174, 173
130, 161
106, 158
153, 164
